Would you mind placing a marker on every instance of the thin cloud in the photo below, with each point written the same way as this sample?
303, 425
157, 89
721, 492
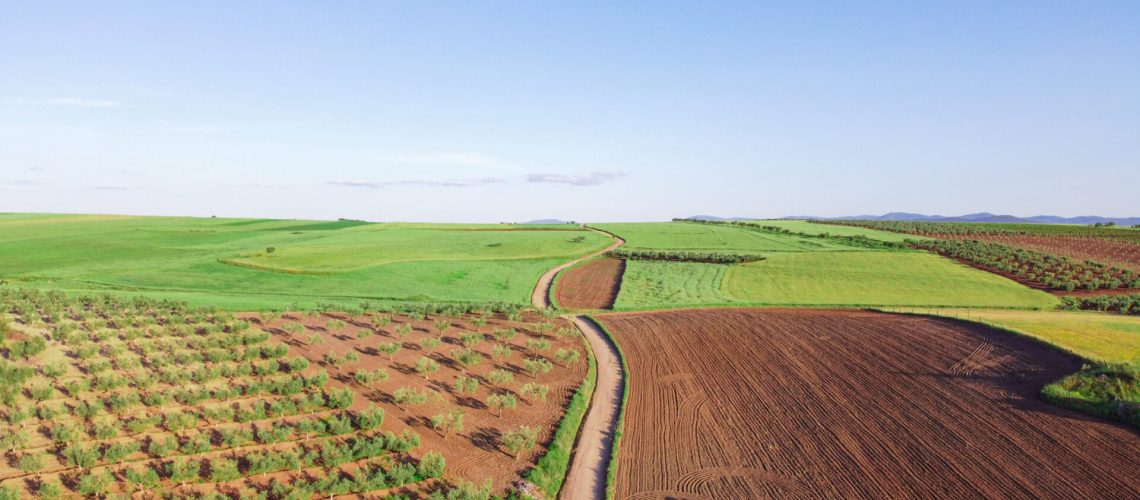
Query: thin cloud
467, 159
19, 184
590, 179
481, 181
82, 102
111, 188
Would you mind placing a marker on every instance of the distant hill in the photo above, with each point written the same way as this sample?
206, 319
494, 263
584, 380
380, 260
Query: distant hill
546, 221
987, 217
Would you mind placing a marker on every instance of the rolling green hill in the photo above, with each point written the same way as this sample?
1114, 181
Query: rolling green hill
228, 262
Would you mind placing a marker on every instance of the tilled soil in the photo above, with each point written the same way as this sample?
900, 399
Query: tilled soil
748, 403
476, 452
593, 285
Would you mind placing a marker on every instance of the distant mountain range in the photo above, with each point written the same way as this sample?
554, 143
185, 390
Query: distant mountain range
978, 217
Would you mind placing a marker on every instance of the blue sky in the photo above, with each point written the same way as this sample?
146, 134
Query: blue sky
501, 111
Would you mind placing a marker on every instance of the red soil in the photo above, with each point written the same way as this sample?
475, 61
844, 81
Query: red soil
593, 285
740, 403
475, 453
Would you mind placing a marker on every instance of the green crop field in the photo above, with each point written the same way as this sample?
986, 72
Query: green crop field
226, 261
824, 279
690, 236
803, 226
648, 284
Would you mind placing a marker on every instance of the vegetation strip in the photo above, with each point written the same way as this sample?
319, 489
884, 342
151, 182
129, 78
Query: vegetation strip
615, 447
680, 256
550, 471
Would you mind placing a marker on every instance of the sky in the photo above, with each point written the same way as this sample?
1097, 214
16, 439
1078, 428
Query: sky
587, 111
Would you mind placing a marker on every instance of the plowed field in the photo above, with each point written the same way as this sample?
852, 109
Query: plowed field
593, 285
737, 403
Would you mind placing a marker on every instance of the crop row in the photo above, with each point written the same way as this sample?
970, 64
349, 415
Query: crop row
1052, 271
935, 229
1123, 304
682, 256
852, 240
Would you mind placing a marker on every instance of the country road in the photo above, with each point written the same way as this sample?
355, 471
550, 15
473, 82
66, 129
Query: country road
590, 461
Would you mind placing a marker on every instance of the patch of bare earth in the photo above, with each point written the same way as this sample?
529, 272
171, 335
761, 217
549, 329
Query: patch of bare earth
748, 403
476, 453
593, 285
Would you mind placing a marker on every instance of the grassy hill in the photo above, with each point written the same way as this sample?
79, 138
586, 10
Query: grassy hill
228, 262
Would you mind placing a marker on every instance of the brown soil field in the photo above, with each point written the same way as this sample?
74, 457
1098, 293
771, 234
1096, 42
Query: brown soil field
593, 285
751, 403
475, 453
1122, 254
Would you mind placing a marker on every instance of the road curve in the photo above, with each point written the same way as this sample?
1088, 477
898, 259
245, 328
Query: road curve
590, 460
540, 297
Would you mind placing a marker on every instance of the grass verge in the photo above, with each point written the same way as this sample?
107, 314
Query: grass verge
611, 473
1108, 390
550, 471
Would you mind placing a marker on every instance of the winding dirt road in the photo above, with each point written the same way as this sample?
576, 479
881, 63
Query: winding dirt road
591, 457
540, 297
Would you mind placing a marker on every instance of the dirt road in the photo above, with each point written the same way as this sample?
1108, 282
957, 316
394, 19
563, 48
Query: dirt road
541, 295
591, 456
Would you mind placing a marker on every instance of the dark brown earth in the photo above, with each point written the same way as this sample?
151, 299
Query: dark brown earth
593, 285
748, 403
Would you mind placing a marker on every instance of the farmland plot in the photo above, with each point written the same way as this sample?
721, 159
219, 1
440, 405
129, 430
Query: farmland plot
796, 403
103, 396
593, 285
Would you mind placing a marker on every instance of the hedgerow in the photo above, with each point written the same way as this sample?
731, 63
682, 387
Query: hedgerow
681, 256
1123, 304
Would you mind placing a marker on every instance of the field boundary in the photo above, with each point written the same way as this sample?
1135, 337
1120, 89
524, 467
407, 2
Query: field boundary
619, 425
549, 473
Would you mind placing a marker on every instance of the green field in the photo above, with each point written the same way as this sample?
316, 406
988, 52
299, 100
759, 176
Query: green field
649, 284
225, 261
803, 226
824, 279
688, 236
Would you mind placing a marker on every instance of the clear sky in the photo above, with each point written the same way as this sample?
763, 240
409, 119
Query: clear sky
504, 111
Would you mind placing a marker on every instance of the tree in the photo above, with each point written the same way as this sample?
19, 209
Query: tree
143, 479
95, 484
502, 402
471, 340
223, 470
538, 344
504, 335
534, 392
442, 326
566, 356
31, 463
426, 367
520, 440
466, 385
403, 331
430, 343
500, 352
370, 377
432, 465
500, 377
406, 397
83, 457
50, 490
370, 418
536, 366
466, 358
184, 471
444, 423
389, 348
118, 452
